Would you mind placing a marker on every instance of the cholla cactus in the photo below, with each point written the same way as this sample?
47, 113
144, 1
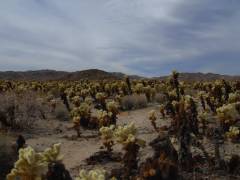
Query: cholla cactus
127, 80
101, 97
126, 135
84, 93
153, 117
172, 95
203, 119
228, 114
233, 133
162, 110
85, 110
234, 97
217, 91
76, 124
97, 174
107, 89
107, 135
53, 104
81, 116
175, 83
147, 91
88, 100
52, 154
210, 102
201, 96
37, 166
76, 100
30, 165
103, 118
112, 107
138, 88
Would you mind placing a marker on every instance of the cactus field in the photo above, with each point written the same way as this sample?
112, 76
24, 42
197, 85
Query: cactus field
123, 129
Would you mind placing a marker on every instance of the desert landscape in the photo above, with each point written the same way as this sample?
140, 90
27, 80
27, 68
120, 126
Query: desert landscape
119, 90
120, 127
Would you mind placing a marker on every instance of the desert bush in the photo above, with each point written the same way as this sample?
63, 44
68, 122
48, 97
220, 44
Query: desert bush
133, 102
19, 111
160, 98
61, 113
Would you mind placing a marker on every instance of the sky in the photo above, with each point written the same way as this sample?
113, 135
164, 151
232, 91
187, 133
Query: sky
143, 37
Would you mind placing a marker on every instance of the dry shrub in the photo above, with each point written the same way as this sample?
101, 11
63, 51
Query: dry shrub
19, 111
134, 102
160, 98
61, 113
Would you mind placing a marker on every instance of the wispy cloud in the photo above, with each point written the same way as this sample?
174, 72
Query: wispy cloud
146, 37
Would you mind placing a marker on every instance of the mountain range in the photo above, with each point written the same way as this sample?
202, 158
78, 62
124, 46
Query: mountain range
96, 74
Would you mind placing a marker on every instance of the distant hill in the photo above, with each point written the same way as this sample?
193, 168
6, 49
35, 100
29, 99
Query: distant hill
93, 74
96, 74
42, 75
201, 77
32, 75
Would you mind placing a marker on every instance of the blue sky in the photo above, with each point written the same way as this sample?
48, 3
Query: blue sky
144, 37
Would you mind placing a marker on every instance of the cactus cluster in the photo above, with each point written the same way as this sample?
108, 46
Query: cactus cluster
33, 165
96, 174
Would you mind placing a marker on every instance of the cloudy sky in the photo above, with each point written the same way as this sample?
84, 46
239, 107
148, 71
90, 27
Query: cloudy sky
144, 37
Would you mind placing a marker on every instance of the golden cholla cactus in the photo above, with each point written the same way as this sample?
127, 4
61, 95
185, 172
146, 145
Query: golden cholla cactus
172, 95
138, 88
175, 74
85, 110
88, 100
127, 134
118, 98
228, 114
76, 124
187, 101
201, 93
112, 107
76, 120
100, 96
233, 133
107, 134
234, 97
162, 110
97, 174
85, 92
75, 112
175, 104
76, 100
103, 117
152, 116
30, 165
52, 154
